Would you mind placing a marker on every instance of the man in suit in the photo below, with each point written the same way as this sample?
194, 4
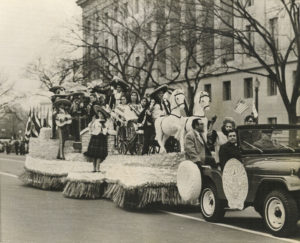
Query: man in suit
194, 144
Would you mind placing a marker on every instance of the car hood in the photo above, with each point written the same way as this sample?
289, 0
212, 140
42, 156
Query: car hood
273, 165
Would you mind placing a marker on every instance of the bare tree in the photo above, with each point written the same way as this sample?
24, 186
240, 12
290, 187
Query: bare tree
236, 24
61, 70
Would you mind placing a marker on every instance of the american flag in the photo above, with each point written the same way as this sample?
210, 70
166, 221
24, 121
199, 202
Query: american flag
33, 125
241, 106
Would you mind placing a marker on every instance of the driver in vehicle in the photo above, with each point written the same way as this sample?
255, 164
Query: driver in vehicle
266, 142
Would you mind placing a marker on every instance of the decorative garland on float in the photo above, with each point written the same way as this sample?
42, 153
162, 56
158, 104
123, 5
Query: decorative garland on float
129, 181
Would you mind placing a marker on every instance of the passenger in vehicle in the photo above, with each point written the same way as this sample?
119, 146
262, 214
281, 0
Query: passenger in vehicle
230, 149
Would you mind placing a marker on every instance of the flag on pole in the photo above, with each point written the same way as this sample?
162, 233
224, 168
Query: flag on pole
28, 127
36, 125
241, 106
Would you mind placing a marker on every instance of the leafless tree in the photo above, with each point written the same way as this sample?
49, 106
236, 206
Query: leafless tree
58, 72
236, 24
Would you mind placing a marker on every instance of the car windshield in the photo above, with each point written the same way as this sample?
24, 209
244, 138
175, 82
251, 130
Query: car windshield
270, 140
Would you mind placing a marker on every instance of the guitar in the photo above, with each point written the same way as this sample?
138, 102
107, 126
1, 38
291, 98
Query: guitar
63, 119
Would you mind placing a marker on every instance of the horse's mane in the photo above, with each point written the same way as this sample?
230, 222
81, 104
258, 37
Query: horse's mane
197, 100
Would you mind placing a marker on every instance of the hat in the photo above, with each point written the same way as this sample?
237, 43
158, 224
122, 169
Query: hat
76, 94
100, 89
116, 81
58, 96
98, 108
162, 88
55, 88
65, 102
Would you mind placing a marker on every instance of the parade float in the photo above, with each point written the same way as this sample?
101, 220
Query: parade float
131, 181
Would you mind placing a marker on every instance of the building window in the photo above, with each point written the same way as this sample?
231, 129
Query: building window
126, 39
116, 10
227, 90
274, 30
248, 88
272, 87
106, 17
137, 6
207, 88
137, 62
272, 120
161, 57
250, 3
106, 46
148, 30
125, 10
227, 43
88, 27
208, 41
250, 37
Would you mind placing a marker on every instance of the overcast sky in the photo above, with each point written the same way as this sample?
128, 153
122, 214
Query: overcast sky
27, 30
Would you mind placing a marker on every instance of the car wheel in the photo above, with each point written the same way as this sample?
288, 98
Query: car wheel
280, 213
212, 208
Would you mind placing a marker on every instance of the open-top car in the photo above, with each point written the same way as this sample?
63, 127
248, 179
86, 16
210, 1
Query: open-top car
267, 178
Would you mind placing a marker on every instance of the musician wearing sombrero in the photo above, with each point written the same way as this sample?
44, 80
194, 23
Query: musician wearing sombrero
120, 89
160, 107
62, 120
97, 148
77, 111
55, 98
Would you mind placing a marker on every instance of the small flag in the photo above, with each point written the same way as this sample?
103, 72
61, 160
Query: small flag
28, 127
36, 125
241, 106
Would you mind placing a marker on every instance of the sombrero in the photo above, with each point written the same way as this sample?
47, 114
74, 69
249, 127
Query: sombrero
162, 88
55, 88
76, 94
117, 81
58, 96
65, 102
100, 89
98, 108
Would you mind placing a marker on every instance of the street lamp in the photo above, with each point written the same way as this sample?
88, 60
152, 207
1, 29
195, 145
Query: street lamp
256, 88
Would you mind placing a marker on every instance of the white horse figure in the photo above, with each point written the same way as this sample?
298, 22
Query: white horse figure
201, 104
172, 125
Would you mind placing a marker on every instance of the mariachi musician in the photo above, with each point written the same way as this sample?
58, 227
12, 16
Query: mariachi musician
161, 106
120, 89
62, 120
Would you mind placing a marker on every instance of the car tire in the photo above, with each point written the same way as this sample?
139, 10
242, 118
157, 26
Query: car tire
212, 208
280, 213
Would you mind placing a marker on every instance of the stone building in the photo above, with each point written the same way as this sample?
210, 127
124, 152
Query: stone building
175, 62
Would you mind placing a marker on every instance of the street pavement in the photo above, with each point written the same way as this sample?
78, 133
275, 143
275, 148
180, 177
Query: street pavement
32, 215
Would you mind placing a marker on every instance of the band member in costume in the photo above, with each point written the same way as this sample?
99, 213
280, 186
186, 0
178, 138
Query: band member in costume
77, 111
145, 122
54, 98
160, 108
120, 89
134, 103
62, 119
97, 148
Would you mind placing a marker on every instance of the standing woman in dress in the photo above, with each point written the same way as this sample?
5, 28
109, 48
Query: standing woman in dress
97, 149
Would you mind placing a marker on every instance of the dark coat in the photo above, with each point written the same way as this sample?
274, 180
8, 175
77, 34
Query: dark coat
228, 151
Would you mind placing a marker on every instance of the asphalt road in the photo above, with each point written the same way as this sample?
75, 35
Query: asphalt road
32, 215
